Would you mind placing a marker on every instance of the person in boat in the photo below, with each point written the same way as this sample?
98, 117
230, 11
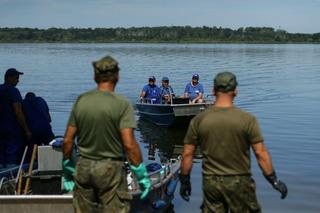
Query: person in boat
38, 118
13, 126
103, 122
151, 92
225, 134
166, 91
194, 90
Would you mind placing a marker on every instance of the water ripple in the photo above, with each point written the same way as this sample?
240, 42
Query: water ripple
278, 83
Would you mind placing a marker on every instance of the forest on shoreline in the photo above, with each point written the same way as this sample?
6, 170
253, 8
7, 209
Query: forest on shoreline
163, 34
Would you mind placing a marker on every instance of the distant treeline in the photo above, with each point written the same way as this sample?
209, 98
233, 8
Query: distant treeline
173, 34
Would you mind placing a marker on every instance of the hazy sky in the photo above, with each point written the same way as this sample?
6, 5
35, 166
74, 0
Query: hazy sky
290, 15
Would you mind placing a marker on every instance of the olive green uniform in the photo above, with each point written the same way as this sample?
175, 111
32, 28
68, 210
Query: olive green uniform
225, 136
101, 184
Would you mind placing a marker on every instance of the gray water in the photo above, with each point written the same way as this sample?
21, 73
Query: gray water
277, 83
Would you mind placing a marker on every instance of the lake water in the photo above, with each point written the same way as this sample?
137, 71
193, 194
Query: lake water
277, 83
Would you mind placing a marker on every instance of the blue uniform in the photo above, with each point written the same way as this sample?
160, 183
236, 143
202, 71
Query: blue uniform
193, 91
37, 116
152, 93
11, 134
166, 90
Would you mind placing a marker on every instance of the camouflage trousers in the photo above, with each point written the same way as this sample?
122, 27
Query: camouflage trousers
101, 187
236, 194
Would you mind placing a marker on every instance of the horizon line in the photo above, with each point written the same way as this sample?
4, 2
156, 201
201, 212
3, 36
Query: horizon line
128, 27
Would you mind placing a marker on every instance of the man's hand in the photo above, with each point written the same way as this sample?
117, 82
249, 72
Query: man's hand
277, 184
68, 173
143, 179
185, 186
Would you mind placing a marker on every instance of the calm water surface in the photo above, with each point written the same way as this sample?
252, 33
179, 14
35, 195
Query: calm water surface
278, 83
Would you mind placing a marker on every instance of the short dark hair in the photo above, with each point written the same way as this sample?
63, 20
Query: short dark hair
111, 76
30, 95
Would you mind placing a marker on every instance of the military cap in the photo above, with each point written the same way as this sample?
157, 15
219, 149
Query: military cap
195, 76
225, 82
106, 64
165, 78
152, 78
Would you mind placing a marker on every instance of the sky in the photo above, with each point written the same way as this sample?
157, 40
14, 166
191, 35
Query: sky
294, 16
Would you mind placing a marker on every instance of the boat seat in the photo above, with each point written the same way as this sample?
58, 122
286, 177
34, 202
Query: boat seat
180, 100
151, 167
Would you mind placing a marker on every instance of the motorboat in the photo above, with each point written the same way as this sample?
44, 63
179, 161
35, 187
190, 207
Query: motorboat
177, 111
46, 192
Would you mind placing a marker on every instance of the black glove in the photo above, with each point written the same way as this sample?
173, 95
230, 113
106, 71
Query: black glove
185, 186
277, 184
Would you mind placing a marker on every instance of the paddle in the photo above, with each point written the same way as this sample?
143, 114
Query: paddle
26, 188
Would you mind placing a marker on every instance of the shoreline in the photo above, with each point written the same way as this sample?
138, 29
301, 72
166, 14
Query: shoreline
148, 42
157, 34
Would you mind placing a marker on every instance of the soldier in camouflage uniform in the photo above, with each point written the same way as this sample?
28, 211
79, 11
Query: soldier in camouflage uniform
103, 122
225, 134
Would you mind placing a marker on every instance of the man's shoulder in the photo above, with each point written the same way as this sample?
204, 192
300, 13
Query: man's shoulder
201, 116
145, 87
234, 112
162, 88
243, 113
199, 85
94, 92
2, 87
169, 87
120, 97
41, 102
11, 91
188, 85
40, 99
119, 101
88, 93
9, 88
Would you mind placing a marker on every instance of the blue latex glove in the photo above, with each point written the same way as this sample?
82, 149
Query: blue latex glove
68, 173
143, 179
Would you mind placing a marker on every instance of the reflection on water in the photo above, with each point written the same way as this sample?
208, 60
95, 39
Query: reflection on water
279, 84
165, 142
